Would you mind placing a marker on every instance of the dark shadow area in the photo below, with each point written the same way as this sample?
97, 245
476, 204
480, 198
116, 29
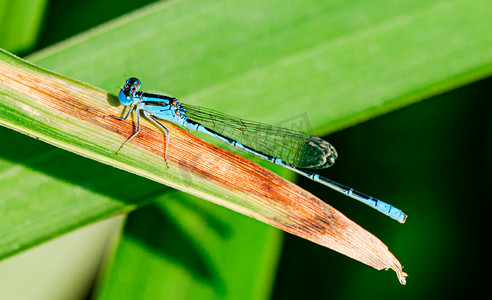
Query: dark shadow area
113, 101
432, 160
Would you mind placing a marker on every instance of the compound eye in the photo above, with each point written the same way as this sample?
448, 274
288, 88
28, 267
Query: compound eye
133, 82
125, 98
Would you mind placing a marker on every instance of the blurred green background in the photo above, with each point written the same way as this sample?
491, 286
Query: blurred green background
430, 158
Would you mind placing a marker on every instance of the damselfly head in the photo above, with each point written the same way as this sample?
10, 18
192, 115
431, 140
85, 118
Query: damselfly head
127, 92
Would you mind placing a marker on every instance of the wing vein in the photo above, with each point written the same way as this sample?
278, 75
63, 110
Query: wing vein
296, 148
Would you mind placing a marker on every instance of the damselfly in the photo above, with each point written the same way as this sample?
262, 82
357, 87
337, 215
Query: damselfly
297, 151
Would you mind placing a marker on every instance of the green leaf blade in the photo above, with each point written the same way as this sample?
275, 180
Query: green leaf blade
338, 64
